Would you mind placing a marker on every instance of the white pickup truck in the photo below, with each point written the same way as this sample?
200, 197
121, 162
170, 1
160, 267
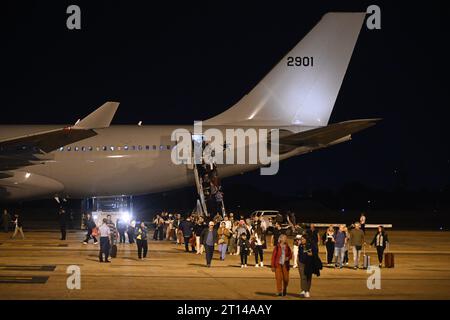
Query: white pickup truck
271, 214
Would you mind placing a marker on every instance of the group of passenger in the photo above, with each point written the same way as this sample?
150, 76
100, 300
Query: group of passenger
339, 241
111, 233
234, 236
123, 230
165, 225
237, 236
306, 257
245, 237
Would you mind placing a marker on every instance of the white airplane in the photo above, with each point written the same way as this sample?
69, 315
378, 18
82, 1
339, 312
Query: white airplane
92, 158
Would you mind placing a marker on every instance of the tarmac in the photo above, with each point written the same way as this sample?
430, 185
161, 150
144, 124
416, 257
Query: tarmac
36, 268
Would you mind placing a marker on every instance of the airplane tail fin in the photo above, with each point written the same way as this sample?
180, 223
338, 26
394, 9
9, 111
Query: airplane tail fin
100, 118
302, 88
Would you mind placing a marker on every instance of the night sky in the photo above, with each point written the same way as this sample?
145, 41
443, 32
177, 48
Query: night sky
178, 63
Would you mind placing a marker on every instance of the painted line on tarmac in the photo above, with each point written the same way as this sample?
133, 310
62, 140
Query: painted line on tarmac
28, 267
23, 280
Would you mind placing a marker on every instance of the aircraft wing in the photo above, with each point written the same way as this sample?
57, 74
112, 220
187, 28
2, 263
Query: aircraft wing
26, 150
331, 134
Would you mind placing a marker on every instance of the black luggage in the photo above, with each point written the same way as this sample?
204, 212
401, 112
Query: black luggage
113, 251
388, 260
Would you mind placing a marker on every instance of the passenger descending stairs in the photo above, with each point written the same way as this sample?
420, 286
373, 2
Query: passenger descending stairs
203, 197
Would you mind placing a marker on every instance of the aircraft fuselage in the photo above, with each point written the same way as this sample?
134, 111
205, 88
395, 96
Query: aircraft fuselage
120, 160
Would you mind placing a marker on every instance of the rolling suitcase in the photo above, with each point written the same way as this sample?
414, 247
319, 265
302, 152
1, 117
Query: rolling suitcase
388, 259
113, 251
366, 260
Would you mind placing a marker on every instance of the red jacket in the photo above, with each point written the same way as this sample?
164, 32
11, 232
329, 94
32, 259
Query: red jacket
276, 255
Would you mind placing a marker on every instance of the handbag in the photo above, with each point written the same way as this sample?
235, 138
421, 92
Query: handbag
94, 232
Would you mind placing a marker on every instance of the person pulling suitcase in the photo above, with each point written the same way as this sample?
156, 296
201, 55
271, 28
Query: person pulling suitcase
113, 236
380, 242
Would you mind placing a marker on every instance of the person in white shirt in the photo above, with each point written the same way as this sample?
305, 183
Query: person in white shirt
362, 222
209, 155
263, 224
228, 223
297, 240
104, 233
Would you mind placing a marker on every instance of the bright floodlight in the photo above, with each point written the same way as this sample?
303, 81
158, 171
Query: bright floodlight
126, 216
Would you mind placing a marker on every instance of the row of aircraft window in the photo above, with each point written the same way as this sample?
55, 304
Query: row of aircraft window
113, 148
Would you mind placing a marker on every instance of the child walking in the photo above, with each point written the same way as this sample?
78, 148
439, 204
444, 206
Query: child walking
244, 248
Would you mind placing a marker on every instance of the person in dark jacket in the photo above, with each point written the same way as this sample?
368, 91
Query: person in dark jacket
130, 231
244, 249
313, 234
62, 222
141, 233
308, 264
258, 242
276, 233
178, 232
357, 242
156, 226
328, 240
209, 238
279, 219
90, 225
161, 226
187, 228
113, 235
121, 228
380, 240
198, 229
